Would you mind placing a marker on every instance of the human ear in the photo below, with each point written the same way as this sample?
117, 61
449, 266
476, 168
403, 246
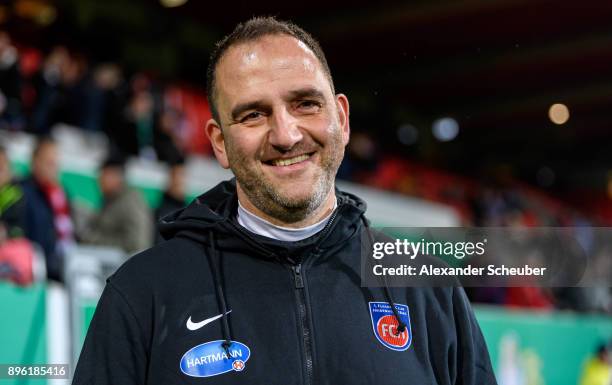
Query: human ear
343, 116
215, 135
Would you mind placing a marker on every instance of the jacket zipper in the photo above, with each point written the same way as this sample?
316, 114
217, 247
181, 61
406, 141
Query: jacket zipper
300, 295
300, 292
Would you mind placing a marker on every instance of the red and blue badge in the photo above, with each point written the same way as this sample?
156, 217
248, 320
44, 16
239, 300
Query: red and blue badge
385, 325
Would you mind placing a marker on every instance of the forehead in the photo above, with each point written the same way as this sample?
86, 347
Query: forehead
111, 170
46, 149
267, 63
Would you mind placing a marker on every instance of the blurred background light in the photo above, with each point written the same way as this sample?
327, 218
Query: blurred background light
172, 3
558, 113
40, 11
445, 129
407, 134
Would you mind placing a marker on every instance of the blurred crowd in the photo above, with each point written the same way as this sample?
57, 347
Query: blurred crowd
142, 116
499, 200
159, 120
496, 198
37, 208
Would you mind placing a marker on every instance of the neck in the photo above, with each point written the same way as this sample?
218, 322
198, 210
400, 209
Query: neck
316, 216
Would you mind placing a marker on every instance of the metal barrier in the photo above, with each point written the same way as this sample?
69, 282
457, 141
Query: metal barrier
86, 269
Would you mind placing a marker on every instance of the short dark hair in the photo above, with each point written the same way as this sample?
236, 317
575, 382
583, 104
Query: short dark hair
114, 160
251, 30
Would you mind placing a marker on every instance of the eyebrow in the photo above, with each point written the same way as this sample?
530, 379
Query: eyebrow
242, 107
239, 109
306, 93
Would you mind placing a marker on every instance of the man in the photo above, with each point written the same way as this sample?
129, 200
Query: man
48, 220
258, 282
124, 220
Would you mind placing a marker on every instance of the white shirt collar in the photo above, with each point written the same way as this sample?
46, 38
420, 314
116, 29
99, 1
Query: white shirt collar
260, 226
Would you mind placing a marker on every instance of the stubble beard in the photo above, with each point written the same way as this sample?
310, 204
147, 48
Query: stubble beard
264, 195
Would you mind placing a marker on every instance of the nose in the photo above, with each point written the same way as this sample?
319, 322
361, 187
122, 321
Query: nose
284, 130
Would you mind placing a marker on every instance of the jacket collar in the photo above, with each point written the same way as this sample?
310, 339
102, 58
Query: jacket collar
216, 210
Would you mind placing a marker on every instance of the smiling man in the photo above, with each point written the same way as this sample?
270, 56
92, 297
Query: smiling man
258, 281
279, 126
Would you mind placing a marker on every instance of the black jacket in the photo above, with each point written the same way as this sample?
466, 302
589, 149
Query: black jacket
295, 313
167, 205
40, 226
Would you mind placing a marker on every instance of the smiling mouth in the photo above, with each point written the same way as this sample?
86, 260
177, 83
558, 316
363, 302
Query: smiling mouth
289, 161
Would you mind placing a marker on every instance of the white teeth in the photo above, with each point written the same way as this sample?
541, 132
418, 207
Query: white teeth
290, 161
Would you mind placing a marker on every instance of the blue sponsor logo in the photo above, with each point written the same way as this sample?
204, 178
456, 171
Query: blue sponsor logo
385, 325
210, 359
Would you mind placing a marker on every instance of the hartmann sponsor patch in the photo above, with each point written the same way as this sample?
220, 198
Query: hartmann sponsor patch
210, 359
385, 325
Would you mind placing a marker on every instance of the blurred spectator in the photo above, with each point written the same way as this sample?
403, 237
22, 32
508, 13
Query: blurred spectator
73, 92
48, 221
125, 219
10, 85
48, 90
12, 203
30, 63
134, 134
62, 90
103, 99
174, 196
166, 139
597, 370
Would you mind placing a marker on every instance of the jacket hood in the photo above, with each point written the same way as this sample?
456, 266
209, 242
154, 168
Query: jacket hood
216, 209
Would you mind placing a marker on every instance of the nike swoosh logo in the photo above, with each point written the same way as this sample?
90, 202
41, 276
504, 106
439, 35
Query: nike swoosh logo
196, 325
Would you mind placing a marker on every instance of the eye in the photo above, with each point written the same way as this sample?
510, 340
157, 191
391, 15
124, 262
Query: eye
251, 116
309, 105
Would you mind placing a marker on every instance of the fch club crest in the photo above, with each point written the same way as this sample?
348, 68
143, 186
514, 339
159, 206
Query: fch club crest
385, 325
